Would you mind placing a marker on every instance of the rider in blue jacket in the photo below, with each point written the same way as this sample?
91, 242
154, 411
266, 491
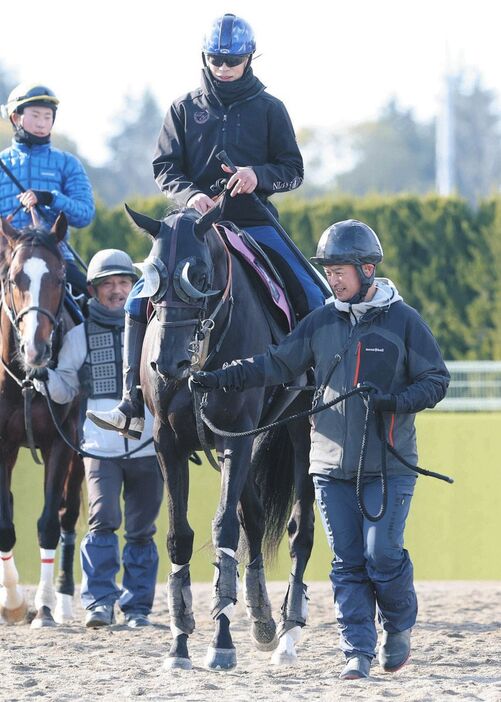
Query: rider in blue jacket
54, 180
231, 110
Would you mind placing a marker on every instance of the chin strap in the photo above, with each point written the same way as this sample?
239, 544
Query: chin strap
366, 282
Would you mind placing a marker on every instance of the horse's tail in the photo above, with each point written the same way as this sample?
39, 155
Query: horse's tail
273, 469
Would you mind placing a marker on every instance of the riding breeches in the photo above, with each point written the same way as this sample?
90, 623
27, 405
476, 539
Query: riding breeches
371, 570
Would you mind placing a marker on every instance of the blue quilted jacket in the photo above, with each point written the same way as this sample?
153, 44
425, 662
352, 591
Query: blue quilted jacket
42, 167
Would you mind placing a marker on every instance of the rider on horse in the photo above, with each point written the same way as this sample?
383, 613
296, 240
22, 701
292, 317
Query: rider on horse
53, 181
230, 110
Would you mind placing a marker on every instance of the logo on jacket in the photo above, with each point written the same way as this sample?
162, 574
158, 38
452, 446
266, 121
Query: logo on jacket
201, 116
375, 349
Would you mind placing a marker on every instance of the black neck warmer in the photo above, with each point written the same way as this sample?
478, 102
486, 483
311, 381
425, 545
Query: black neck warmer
103, 315
245, 87
24, 137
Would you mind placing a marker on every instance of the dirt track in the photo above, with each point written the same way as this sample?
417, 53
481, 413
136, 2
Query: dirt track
456, 655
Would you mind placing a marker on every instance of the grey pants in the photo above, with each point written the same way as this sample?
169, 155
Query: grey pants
142, 485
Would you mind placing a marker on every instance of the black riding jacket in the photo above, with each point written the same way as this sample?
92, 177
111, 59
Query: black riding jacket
255, 131
390, 346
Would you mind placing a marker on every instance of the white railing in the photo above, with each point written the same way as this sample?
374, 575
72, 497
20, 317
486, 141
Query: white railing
475, 387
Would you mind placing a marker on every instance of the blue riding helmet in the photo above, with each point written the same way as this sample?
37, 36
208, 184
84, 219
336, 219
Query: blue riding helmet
230, 34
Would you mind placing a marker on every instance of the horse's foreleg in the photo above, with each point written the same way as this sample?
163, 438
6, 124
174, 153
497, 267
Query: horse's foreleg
182, 621
174, 467
13, 605
56, 459
300, 529
221, 654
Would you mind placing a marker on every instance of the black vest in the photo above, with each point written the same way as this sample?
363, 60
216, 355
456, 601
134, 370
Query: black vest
103, 372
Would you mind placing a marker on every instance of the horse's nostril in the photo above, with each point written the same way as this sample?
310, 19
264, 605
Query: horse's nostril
153, 366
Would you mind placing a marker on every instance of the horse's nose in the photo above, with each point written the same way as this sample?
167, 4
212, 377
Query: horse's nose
36, 355
175, 371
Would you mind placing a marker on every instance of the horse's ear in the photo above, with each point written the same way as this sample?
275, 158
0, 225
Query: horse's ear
8, 231
60, 226
205, 222
148, 224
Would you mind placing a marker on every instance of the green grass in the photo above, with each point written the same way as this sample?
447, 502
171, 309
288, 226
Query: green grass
452, 533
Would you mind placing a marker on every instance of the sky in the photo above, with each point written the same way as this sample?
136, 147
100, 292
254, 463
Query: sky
333, 63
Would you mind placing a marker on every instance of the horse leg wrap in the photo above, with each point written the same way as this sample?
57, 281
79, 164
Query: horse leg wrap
255, 593
180, 601
65, 583
225, 583
295, 606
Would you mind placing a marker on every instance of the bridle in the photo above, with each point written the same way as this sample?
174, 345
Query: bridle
16, 317
203, 325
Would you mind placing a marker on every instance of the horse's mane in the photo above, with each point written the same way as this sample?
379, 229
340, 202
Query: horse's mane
29, 236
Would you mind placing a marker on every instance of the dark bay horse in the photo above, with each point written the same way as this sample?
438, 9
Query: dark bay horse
33, 276
201, 291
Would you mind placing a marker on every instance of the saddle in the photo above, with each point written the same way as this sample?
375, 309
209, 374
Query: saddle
264, 273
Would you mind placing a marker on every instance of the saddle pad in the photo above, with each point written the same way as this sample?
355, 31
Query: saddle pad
275, 290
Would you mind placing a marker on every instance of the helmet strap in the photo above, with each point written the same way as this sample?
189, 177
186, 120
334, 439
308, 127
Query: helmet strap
365, 284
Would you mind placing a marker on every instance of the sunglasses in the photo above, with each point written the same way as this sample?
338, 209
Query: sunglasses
230, 61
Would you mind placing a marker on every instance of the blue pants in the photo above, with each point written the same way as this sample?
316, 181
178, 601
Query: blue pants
371, 569
100, 557
306, 295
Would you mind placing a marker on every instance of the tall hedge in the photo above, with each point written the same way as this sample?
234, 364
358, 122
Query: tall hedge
443, 256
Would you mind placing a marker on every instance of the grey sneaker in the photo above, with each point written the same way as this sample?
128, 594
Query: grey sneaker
356, 668
395, 650
101, 615
134, 620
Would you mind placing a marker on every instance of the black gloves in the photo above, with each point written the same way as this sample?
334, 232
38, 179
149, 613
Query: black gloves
203, 380
384, 401
44, 197
41, 374
381, 401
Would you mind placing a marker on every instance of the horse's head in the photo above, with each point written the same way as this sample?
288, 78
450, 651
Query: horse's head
33, 283
183, 276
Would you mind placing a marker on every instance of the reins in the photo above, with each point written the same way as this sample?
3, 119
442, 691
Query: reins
365, 392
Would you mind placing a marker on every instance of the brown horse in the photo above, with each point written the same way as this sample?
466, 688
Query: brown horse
32, 320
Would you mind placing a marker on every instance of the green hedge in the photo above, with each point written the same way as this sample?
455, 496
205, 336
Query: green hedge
443, 255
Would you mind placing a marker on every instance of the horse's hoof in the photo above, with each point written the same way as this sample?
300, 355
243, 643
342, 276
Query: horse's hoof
12, 616
43, 619
284, 658
63, 611
264, 635
220, 658
177, 663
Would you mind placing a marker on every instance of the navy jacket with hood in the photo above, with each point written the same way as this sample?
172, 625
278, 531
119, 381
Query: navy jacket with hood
389, 345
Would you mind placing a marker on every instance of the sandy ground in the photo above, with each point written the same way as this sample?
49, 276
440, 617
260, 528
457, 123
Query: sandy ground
456, 656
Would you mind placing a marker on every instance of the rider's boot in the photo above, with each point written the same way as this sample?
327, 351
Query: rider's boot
128, 416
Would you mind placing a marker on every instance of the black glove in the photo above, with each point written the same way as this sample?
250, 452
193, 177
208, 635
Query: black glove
44, 197
41, 374
203, 380
381, 401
